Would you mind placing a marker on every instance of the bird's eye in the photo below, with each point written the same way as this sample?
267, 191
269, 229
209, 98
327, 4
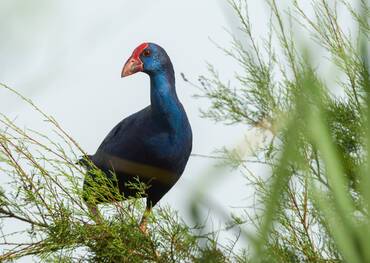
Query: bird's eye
146, 53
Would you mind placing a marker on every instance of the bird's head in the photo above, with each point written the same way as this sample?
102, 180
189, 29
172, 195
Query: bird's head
147, 57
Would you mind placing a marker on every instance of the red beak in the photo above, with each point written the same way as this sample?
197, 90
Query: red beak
132, 66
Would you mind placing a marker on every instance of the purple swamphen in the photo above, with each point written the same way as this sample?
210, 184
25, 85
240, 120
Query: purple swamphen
152, 145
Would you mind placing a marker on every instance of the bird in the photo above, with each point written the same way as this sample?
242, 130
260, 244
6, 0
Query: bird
151, 146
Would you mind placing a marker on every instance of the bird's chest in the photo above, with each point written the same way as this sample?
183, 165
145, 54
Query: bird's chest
170, 150
160, 143
163, 146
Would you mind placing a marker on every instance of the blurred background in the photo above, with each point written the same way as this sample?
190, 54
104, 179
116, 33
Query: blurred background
67, 57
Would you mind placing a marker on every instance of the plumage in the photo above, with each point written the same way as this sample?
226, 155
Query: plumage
155, 143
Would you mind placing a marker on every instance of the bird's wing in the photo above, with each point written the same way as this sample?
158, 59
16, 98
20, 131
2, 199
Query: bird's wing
125, 140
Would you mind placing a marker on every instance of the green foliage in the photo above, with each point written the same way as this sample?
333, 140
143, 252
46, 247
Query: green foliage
315, 201
44, 192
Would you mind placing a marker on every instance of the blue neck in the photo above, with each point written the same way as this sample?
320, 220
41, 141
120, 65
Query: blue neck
164, 102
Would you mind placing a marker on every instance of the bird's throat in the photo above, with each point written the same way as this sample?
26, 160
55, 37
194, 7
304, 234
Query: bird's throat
164, 102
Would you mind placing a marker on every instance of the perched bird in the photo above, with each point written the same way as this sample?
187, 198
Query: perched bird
152, 145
